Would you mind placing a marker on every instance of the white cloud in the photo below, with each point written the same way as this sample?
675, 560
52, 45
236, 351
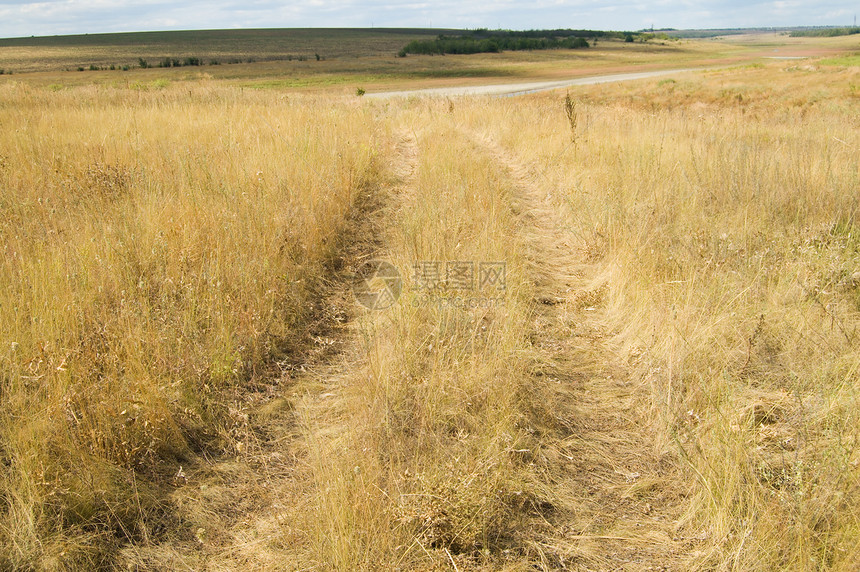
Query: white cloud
47, 17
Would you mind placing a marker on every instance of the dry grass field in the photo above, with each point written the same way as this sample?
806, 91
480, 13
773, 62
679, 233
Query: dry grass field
668, 378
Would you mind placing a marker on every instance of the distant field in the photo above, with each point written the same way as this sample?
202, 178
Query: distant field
59, 52
342, 60
333, 59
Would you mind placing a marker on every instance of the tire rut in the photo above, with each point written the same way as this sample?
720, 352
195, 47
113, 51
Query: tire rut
235, 511
623, 502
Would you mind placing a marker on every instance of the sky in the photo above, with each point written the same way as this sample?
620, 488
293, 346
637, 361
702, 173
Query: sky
49, 17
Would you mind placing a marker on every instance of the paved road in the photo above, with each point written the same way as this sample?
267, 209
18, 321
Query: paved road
511, 89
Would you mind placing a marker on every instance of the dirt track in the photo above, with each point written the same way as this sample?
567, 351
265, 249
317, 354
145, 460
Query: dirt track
511, 89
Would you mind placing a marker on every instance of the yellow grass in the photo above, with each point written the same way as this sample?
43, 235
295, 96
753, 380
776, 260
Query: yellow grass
158, 262
688, 246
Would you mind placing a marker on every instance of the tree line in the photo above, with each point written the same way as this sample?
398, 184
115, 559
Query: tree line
481, 41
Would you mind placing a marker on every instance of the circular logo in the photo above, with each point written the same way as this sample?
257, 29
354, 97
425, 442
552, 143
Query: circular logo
377, 285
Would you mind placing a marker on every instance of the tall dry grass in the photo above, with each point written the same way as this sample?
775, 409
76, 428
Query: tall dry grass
163, 249
166, 250
721, 211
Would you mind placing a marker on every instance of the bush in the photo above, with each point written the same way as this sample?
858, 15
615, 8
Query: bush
142, 63
360, 91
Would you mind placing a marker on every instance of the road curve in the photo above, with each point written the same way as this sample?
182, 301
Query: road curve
512, 89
